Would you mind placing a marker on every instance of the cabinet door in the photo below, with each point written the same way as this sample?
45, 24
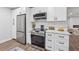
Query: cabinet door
42, 9
50, 13
60, 14
39, 9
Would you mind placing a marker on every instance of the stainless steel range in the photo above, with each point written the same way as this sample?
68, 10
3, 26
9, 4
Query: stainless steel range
38, 38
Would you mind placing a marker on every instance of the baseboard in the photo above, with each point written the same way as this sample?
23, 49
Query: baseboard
13, 39
5, 40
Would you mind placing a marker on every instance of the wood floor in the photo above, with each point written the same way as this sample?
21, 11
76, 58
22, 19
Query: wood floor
74, 43
12, 43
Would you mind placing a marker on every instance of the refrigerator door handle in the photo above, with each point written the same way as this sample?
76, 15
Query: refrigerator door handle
20, 31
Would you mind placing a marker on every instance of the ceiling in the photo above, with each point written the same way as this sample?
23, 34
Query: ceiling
12, 8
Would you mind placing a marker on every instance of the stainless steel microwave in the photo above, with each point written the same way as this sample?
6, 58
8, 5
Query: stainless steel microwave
39, 16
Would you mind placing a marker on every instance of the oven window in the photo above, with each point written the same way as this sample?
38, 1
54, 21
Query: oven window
38, 40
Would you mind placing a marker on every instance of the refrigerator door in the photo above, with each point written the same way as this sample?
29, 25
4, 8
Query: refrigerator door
21, 28
21, 23
21, 37
18, 24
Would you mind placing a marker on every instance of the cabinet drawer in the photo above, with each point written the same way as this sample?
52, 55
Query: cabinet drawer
62, 42
49, 47
61, 48
62, 45
48, 43
61, 36
49, 34
49, 40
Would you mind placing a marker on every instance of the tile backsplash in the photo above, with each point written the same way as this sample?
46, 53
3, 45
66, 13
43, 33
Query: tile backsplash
56, 24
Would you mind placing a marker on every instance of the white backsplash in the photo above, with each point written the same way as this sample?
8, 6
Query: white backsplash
56, 24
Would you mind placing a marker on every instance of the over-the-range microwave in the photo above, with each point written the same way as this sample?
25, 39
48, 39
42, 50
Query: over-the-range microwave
39, 16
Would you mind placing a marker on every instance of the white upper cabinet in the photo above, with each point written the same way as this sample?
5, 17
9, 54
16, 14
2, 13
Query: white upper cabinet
53, 13
39, 9
42, 9
56, 13
60, 14
50, 14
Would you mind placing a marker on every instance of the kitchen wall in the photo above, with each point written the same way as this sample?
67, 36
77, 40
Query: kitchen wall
56, 24
74, 19
28, 25
5, 24
73, 10
14, 13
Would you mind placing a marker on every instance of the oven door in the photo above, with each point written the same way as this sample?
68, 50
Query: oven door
38, 40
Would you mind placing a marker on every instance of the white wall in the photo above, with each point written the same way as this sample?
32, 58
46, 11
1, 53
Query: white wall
28, 25
5, 24
73, 10
14, 13
73, 20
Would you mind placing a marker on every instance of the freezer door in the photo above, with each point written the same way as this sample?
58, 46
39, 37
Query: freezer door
21, 37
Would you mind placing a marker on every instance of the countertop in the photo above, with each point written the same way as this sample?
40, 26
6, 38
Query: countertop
60, 32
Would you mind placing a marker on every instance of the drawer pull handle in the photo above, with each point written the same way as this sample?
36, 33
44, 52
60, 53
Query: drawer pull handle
61, 42
49, 35
61, 36
49, 47
50, 40
60, 50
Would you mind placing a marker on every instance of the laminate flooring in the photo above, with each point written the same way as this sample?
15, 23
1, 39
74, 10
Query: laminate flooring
13, 43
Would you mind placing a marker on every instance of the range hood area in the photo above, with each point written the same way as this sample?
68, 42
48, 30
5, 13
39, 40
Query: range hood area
39, 16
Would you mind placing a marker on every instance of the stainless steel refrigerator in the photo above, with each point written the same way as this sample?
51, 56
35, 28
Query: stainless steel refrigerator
21, 28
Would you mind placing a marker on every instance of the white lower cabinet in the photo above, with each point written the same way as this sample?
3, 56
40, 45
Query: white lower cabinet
49, 47
61, 42
49, 41
57, 42
59, 47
